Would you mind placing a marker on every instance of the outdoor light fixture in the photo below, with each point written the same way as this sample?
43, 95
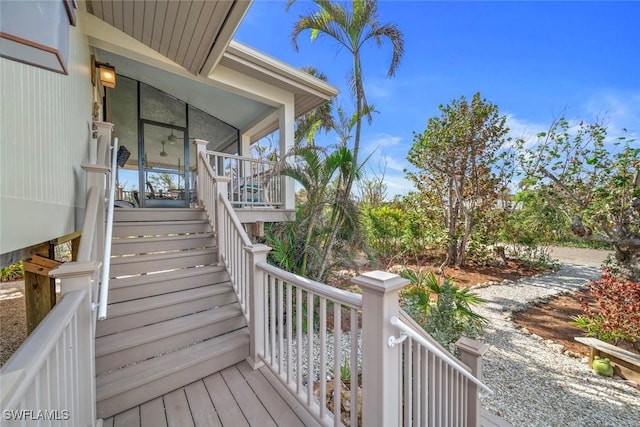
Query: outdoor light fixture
106, 73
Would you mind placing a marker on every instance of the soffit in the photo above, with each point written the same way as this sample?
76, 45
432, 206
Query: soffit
188, 32
309, 91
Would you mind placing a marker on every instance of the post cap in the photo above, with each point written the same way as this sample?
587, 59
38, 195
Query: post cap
380, 282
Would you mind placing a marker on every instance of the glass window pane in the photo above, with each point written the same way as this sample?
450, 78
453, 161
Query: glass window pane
221, 136
158, 106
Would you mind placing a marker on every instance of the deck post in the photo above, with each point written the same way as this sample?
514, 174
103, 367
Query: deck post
222, 183
381, 386
257, 253
471, 353
39, 289
201, 147
81, 276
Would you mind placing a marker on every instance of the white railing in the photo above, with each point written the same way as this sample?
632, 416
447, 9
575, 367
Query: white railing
311, 342
437, 389
106, 264
329, 348
50, 380
251, 181
43, 374
52, 374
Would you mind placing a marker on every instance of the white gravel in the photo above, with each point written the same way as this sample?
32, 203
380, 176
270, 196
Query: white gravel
534, 383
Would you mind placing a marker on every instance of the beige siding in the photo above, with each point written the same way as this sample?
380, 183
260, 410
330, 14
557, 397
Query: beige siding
44, 137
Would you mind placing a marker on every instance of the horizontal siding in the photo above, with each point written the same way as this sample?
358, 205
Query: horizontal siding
44, 137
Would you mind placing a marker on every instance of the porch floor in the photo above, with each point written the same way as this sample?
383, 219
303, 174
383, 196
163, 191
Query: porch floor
236, 396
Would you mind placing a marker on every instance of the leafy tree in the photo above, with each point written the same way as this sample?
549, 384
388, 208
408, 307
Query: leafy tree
595, 182
454, 158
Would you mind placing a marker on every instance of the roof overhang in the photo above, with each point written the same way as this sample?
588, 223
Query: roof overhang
140, 34
193, 34
309, 91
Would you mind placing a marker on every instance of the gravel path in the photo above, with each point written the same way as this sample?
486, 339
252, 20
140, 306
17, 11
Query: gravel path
534, 383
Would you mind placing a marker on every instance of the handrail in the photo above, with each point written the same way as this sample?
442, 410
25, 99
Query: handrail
237, 157
235, 220
341, 296
104, 282
408, 331
89, 227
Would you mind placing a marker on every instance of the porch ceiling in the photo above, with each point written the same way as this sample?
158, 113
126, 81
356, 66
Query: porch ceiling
192, 33
232, 109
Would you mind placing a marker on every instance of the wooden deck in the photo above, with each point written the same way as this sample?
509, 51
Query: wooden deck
236, 396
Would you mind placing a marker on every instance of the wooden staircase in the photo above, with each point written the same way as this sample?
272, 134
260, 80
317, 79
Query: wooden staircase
173, 316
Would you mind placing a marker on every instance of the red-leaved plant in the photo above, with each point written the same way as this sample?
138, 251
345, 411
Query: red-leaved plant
617, 316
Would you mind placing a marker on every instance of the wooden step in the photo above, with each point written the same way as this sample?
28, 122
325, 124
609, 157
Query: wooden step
124, 348
135, 384
160, 228
140, 245
146, 311
158, 214
148, 285
138, 264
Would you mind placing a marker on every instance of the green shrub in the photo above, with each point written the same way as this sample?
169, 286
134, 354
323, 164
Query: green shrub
447, 316
12, 272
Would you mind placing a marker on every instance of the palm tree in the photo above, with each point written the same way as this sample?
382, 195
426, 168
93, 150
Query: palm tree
318, 119
315, 170
352, 29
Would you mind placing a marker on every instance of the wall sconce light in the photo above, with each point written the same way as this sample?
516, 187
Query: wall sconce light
106, 73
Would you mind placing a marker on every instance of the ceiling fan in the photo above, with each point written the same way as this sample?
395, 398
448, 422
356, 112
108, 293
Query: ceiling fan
163, 153
172, 138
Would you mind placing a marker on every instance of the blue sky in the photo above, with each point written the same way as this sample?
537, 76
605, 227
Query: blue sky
532, 59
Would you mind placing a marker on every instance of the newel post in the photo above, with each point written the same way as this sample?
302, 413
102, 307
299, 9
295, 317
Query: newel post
256, 254
83, 276
222, 183
471, 353
380, 364
201, 147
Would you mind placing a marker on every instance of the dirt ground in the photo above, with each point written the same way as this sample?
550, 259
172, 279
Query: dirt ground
13, 324
551, 320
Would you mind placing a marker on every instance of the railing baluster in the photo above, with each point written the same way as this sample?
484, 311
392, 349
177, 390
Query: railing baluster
272, 318
279, 290
289, 333
299, 314
322, 378
337, 363
353, 367
309, 348
265, 305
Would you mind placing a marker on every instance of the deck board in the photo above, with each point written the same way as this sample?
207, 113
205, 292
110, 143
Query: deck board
152, 414
177, 407
224, 402
202, 409
130, 418
249, 404
237, 396
274, 404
